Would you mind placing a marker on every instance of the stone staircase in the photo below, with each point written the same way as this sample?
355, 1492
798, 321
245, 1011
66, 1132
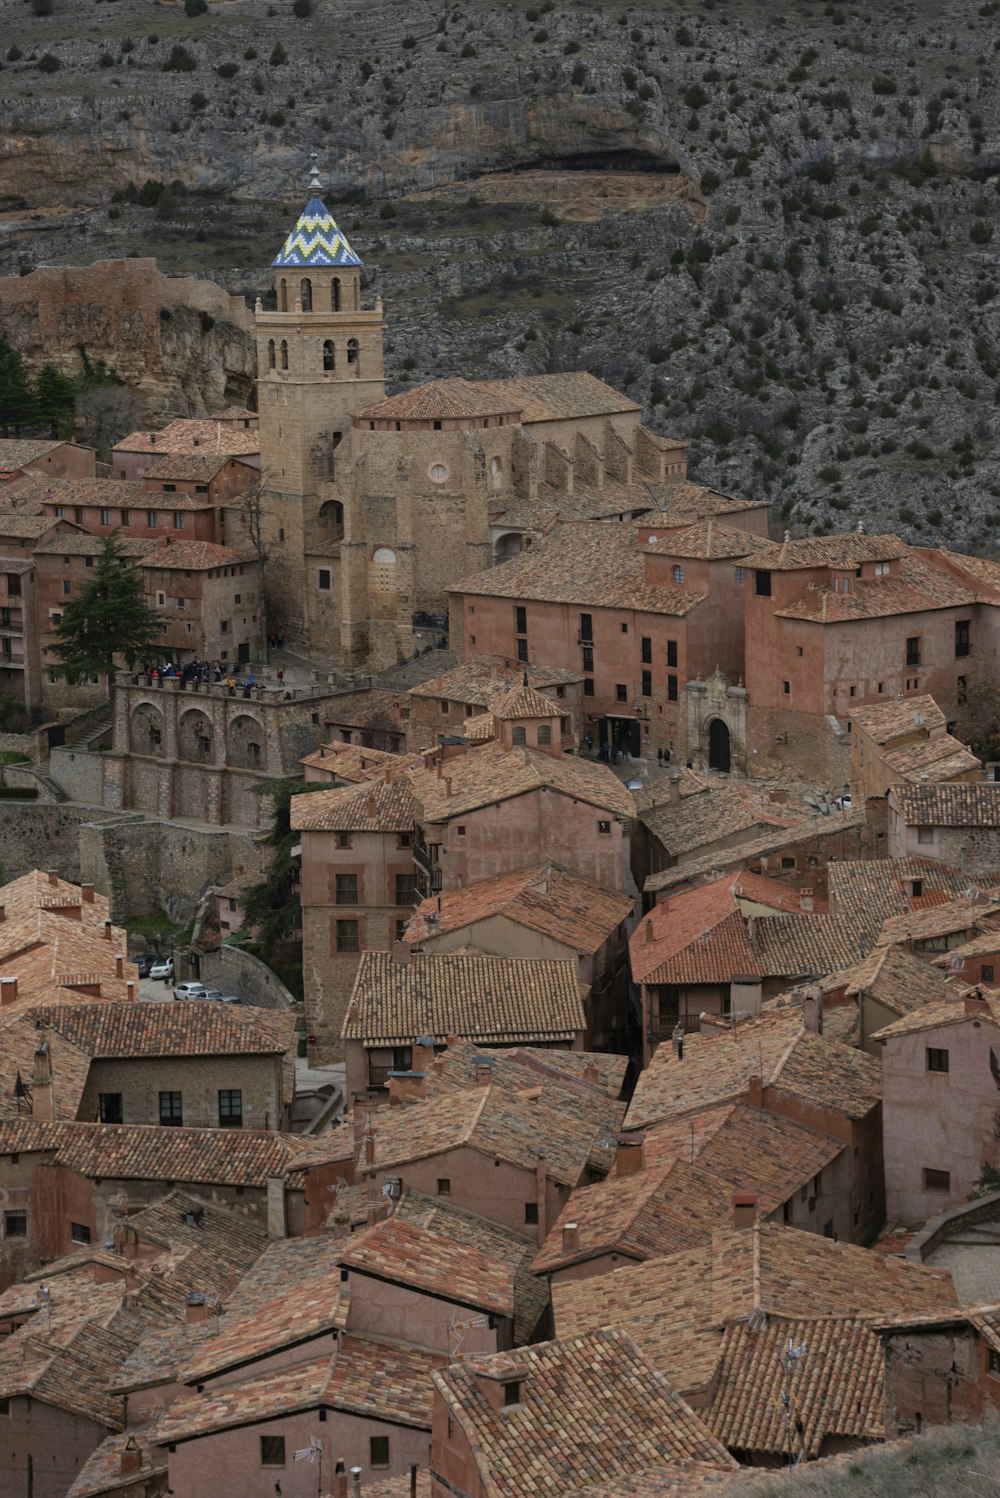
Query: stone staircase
414, 673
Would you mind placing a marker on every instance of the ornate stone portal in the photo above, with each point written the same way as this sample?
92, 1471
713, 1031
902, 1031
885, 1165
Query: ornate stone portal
717, 724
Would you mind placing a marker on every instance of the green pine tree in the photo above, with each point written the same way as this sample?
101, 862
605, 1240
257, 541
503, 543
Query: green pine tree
108, 619
273, 905
17, 398
55, 400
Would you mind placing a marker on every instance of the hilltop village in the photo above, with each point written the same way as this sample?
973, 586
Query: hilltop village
498, 1000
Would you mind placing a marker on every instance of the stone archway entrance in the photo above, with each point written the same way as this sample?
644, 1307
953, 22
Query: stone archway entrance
719, 754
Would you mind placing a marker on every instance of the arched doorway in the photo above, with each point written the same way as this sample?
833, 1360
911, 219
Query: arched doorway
718, 746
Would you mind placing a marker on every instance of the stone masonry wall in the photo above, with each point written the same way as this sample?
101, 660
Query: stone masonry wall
147, 866
240, 973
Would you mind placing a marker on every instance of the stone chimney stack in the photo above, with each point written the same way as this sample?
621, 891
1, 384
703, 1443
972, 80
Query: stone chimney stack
87, 892
131, 1458
744, 1209
630, 1156
8, 991
43, 1101
755, 1092
571, 1237
107, 930
53, 875
340, 1479
674, 788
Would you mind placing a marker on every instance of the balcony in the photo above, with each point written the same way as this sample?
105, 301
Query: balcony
378, 1076
662, 1026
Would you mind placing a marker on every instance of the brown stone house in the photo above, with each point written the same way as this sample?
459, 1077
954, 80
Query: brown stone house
575, 1415
348, 764
129, 509
44, 455
774, 1062
373, 718
402, 998
138, 453
956, 824
941, 1368
905, 741
941, 1069
673, 1184
440, 707
541, 913
208, 597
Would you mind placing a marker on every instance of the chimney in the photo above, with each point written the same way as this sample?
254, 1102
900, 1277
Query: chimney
482, 1070
107, 930
406, 1087
355, 1482
650, 933
371, 803
423, 1052
53, 875
130, 990
744, 1210
196, 1307
812, 1011
541, 1192
755, 1092
674, 788
630, 1156
3, 912
447, 785
131, 1459
401, 952
975, 1005
8, 991
592, 1074
87, 892
778, 796
805, 898
571, 1237
119, 967
43, 1095
340, 1479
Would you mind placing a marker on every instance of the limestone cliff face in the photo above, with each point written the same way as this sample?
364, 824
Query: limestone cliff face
774, 225
183, 345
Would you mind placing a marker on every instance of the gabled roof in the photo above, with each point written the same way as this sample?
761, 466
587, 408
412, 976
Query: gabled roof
696, 937
707, 813
194, 556
870, 890
559, 397
485, 776
707, 540
803, 946
223, 1157
199, 468
479, 681
353, 762
690, 869
975, 805
441, 400
847, 550
774, 1046
16, 451
101, 1472
375, 805
188, 434
315, 240
307, 1311
917, 587
402, 1251
115, 1031
677, 1307
838, 1386
589, 563
576, 1071
885, 722
495, 1000
590, 1410
523, 701
969, 915
899, 980
950, 1011
546, 899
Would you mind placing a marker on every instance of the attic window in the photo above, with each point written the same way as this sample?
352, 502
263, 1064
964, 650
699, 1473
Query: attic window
512, 1393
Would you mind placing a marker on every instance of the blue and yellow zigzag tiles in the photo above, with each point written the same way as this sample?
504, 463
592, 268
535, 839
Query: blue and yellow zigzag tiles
316, 240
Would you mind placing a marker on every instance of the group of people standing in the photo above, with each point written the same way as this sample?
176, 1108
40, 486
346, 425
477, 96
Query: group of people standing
193, 673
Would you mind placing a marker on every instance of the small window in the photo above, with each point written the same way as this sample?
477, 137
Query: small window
347, 889
588, 686
740, 574
788, 863
646, 650
786, 688
646, 688
406, 889
171, 1110
79, 1232
512, 1391
621, 692
405, 839
460, 830
444, 1186
230, 1108
323, 579
520, 620
531, 1212
15, 1224
937, 1180
762, 583
986, 972
993, 1360
962, 690
272, 1451
66, 587
586, 627
671, 652
925, 834
671, 688
105, 517
544, 735
798, 650
624, 629
178, 520
519, 736
913, 650
881, 569
152, 519
348, 937
678, 574
110, 1107
522, 650
604, 829
343, 839
438, 473
937, 1059
378, 1451
587, 652
963, 645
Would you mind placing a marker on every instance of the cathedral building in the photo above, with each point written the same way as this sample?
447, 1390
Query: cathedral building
375, 505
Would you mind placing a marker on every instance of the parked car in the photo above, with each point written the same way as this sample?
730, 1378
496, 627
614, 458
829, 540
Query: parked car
189, 991
145, 964
213, 993
163, 967
229, 998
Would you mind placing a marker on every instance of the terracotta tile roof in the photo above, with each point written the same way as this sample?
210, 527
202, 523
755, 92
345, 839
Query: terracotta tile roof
102, 1470
949, 1011
234, 413
678, 1480
16, 451
908, 716
802, 946
108, 1031
479, 681
557, 397
486, 776
439, 399
223, 1157
979, 946
373, 708
548, 899
184, 436
366, 1376
969, 916
581, 1071
23, 564
399, 1487
869, 890
92, 546
480, 729
591, 1410
707, 540
673, 1203
109, 494
984, 572
21, 526
899, 980
283, 1266
678, 1307
507, 1120
837, 1386
696, 937
917, 587
709, 813
199, 468
976, 805
19, 1040
524, 701
847, 550
588, 563
28, 1136
718, 859
775, 1046
401, 1251
309, 1310
374, 805
489, 999
70, 1373
352, 762
940, 759
697, 501
194, 556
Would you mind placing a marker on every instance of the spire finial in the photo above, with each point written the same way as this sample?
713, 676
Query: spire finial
314, 183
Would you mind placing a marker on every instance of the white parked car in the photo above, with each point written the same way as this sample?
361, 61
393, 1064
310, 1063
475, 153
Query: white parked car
190, 991
162, 968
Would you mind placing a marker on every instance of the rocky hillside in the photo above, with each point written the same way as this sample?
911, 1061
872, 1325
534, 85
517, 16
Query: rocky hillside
774, 223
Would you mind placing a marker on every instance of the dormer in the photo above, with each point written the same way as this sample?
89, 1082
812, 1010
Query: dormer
502, 1388
525, 719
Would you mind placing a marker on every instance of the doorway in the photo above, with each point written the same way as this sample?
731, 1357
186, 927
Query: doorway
718, 746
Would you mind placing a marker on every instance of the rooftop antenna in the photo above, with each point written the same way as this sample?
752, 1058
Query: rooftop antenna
313, 1454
